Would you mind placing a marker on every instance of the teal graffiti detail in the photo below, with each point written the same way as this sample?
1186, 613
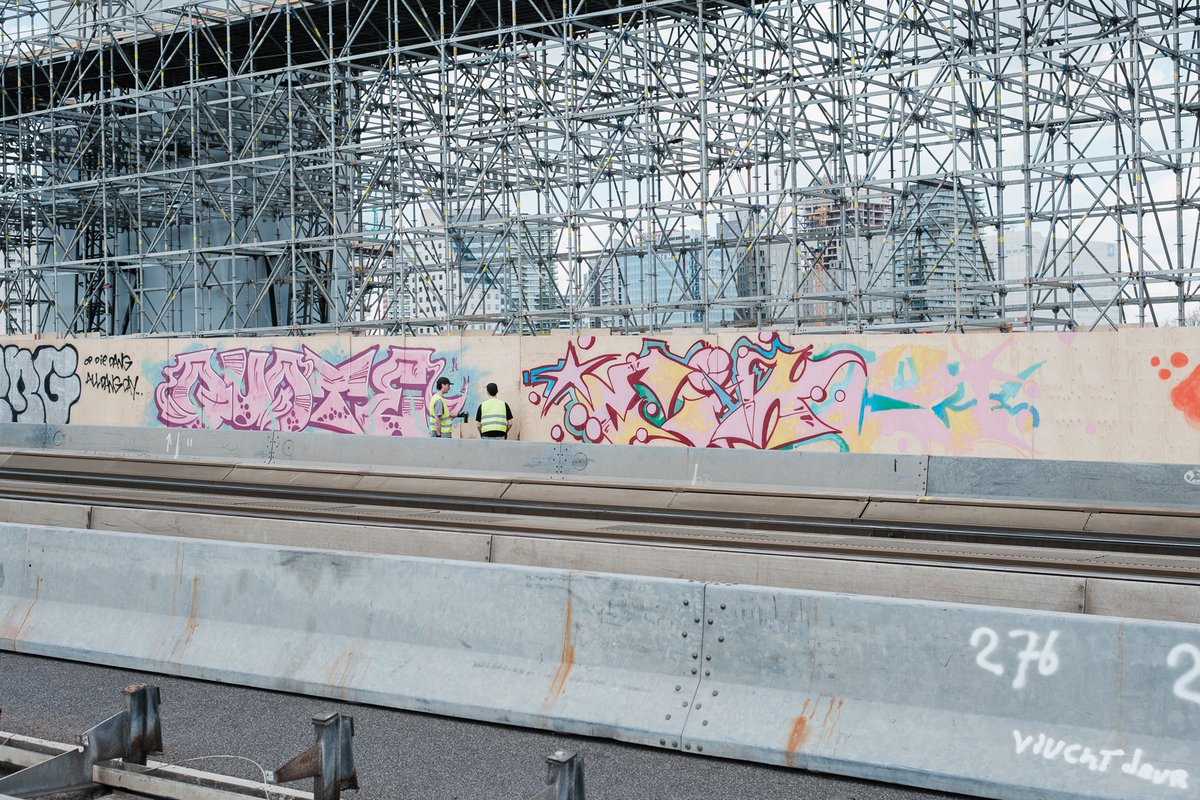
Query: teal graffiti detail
1008, 391
882, 402
906, 373
955, 402
1004, 398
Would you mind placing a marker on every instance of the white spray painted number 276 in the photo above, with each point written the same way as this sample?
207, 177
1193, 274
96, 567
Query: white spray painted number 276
1046, 658
1184, 686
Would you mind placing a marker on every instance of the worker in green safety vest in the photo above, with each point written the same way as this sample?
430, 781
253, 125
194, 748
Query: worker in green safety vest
493, 417
441, 423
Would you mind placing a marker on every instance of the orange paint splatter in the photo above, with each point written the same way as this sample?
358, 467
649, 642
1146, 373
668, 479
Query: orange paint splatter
1165, 374
796, 739
1186, 397
1154, 362
1179, 360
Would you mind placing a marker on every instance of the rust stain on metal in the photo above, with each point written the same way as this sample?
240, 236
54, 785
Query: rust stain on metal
797, 738
834, 705
802, 729
342, 671
832, 717
194, 611
15, 633
566, 658
193, 620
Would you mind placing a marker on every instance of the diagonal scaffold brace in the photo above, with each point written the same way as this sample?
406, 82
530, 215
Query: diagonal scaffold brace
329, 762
130, 736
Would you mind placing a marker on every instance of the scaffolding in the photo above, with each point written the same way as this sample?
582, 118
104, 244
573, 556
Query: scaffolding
389, 166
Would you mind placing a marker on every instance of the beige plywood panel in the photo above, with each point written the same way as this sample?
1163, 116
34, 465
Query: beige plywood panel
587, 495
290, 533
1159, 373
809, 507
942, 584
117, 378
33, 512
973, 515
1133, 395
1077, 397
496, 359
1142, 600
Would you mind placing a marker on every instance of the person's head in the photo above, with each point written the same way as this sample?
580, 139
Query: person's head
492, 389
443, 384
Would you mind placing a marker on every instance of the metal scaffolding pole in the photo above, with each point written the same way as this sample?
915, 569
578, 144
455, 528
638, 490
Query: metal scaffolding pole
272, 166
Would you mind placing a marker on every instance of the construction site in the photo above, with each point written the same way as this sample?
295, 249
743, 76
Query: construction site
418, 166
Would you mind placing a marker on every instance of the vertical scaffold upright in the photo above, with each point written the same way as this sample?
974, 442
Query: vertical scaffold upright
252, 166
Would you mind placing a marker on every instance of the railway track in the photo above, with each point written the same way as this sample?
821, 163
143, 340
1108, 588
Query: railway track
201, 499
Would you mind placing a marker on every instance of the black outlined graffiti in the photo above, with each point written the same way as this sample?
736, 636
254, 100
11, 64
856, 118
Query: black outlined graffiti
114, 381
118, 360
39, 385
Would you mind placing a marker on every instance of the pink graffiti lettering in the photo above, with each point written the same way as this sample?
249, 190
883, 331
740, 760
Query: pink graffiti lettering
380, 391
762, 393
759, 394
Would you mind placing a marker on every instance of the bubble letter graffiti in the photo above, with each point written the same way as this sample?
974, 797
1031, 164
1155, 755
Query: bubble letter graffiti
377, 391
39, 385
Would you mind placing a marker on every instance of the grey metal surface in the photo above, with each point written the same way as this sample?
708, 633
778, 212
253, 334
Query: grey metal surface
128, 735
329, 762
939, 695
564, 778
1002, 703
1110, 484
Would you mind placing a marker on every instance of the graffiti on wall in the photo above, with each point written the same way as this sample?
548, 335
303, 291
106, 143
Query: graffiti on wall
39, 385
380, 390
928, 400
763, 393
1185, 395
112, 373
759, 393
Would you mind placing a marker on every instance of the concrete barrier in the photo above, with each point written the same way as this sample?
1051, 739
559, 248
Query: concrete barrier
991, 702
793, 471
988, 702
1103, 483
582, 653
854, 476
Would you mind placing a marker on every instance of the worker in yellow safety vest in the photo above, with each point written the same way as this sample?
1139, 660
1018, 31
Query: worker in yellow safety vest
441, 423
493, 417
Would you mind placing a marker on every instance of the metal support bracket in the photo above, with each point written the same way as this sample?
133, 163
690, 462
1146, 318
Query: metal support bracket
129, 735
564, 777
329, 762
